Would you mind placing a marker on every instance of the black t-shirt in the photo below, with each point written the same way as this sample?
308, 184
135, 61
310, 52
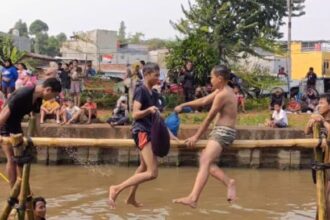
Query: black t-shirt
146, 99
188, 80
65, 79
20, 104
311, 78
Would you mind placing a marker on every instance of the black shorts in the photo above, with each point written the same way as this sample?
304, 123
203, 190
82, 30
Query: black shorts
6, 131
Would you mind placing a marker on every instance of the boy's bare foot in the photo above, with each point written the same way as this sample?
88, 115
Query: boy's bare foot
112, 197
231, 191
186, 201
134, 203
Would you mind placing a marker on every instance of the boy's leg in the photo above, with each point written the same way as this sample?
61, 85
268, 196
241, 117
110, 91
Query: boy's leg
218, 173
42, 116
151, 173
57, 112
11, 165
89, 111
131, 196
211, 152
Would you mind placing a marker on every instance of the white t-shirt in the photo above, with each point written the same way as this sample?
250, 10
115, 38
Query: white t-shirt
72, 111
280, 116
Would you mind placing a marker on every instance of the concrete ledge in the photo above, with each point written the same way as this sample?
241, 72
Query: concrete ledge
265, 158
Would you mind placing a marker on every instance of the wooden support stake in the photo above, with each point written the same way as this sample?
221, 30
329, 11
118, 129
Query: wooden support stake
13, 194
320, 180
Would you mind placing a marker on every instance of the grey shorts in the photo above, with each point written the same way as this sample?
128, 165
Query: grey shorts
75, 87
225, 136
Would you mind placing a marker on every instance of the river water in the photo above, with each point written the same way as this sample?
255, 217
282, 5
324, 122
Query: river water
80, 192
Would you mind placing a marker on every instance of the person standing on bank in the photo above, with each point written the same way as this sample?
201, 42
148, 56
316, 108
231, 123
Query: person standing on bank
22, 102
224, 104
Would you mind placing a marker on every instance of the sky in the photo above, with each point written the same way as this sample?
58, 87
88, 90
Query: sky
150, 17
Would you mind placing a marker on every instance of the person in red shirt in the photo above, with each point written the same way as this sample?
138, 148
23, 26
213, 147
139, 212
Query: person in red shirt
293, 106
90, 109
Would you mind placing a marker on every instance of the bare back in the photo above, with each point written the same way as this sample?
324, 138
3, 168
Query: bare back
228, 111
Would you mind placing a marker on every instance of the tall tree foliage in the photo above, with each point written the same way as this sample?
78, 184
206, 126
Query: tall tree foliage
122, 33
233, 28
21, 27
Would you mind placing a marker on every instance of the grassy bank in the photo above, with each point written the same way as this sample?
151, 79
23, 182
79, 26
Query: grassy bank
252, 118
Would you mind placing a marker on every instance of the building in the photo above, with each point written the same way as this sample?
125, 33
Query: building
90, 45
306, 54
101, 46
158, 56
21, 43
267, 61
130, 53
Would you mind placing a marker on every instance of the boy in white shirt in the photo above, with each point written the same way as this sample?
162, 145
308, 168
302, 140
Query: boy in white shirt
71, 113
279, 118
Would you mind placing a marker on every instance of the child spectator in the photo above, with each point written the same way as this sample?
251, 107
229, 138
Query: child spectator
76, 84
277, 97
293, 106
39, 208
120, 113
50, 108
279, 118
240, 99
22, 76
89, 109
71, 113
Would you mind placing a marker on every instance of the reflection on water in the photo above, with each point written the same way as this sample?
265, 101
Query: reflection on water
73, 192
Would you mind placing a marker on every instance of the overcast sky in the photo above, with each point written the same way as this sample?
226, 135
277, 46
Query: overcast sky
148, 16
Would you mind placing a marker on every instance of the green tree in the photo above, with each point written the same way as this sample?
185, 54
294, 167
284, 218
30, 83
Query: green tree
136, 38
53, 46
61, 37
156, 43
37, 27
8, 50
21, 27
192, 48
233, 28
122, 32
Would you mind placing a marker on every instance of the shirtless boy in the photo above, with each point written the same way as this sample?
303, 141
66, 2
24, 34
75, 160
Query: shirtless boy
224, 103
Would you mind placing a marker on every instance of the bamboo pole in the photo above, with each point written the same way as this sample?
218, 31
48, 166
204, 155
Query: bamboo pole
29, 205
13, 194
24, 191
124, 143
320, 184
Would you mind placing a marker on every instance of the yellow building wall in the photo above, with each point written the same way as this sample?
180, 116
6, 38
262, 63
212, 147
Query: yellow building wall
302, 61
326, 58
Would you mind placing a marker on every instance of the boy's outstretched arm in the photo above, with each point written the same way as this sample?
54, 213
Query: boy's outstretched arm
216, 106
198, 102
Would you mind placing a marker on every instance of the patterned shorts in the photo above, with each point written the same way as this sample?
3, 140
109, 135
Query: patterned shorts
225, 136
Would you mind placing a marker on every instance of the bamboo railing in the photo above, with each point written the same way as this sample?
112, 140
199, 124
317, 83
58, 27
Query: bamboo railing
125, 143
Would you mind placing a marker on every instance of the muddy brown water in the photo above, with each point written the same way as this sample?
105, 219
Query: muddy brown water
80, 192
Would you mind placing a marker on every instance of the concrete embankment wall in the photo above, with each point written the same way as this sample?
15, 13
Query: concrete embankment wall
258, 158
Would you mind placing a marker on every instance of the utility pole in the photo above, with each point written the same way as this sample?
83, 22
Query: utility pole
289, 69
